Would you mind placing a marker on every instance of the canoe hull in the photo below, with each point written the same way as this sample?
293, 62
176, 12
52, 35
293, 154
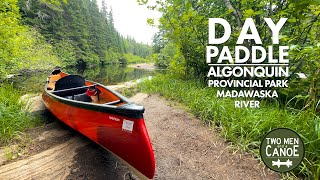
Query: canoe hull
124, 136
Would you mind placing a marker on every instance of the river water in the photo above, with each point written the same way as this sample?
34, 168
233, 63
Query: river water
33, 82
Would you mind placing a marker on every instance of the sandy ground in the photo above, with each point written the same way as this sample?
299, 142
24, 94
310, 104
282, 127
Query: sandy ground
183, 146
149, 66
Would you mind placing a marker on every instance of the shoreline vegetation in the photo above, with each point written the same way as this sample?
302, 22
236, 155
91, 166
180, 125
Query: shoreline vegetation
45, 34
242, 127
180, 47
148, 66
14, 115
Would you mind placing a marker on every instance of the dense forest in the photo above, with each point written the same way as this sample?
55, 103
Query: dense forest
44, 33
180, 45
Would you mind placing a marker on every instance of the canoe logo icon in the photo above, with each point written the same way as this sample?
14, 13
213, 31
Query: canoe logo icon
282, 149
278, 163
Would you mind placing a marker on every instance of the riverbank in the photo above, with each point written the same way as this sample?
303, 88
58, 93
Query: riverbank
14, 117
183, 146
148, 66
243, 128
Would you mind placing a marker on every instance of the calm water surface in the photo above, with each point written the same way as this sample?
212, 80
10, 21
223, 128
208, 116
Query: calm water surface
107, 75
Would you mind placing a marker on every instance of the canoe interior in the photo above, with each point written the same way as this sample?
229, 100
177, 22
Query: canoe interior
105, 97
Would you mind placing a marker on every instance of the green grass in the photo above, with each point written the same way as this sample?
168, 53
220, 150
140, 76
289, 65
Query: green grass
243, 127
13, 117
129, 92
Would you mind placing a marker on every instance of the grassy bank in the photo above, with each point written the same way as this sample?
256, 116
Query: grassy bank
243, 127
13, 117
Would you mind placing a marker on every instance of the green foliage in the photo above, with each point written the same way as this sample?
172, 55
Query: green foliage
20, 46
66, 52
53, 2
165, 56
112, 56
243, 127
130, 58
185, 23
135, 48
39, 54
111, 74
177, 66
169, 53
87, 32
158, 42
129, 92
13, 117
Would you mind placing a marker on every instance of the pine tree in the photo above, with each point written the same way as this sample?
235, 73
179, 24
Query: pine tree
82, 28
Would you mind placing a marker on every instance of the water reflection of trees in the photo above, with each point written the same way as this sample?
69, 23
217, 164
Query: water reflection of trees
112, 74
107, 75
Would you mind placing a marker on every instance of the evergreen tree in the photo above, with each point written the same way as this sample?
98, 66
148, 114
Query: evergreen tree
79, 27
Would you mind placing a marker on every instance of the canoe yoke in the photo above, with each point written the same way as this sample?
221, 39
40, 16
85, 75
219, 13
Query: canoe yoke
79, 94
71, 91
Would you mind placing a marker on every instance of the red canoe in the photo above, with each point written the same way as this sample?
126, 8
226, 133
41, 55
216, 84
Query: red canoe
112, 120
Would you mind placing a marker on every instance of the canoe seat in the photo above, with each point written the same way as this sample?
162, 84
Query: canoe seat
77, 93
69, 97
82, 97
79, 97
113, 102
52, 81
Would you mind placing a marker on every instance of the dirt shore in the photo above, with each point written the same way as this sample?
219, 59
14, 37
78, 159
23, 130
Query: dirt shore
183, 146
149, 66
